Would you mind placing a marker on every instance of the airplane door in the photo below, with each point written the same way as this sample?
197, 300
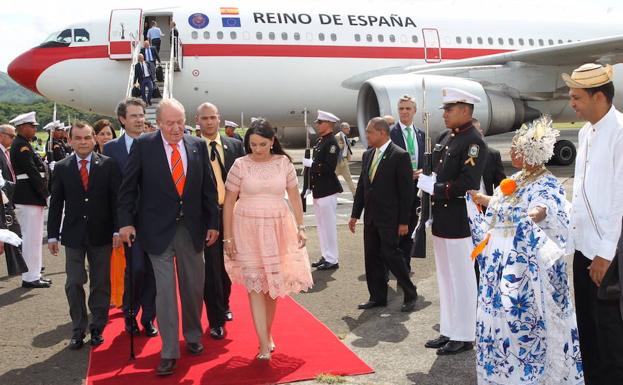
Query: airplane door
124, 31
432, 45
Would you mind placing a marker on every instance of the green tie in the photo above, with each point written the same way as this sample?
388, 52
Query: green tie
411, 146
375, 163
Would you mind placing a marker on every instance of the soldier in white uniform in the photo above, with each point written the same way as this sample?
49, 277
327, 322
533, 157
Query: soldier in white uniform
596, 222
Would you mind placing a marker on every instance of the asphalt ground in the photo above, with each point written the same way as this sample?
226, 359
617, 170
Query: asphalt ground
35, 326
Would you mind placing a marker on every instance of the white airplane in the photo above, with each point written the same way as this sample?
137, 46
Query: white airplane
277, 59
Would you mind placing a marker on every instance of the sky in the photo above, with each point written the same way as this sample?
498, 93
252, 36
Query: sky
24, 23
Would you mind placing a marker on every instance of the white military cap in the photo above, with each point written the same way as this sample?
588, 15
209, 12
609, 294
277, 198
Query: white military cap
229, 123
327, 117
54, 125
28, 117
455, 95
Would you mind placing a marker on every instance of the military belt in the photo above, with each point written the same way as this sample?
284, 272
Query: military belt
25, 176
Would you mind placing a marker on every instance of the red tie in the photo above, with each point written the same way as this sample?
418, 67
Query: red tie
84, 174
8, 160
177, 170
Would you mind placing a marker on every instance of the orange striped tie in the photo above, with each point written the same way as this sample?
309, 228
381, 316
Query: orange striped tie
177, 169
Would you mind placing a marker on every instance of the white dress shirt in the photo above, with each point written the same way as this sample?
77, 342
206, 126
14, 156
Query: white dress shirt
88, 159
598, 187
180, 147
128, 142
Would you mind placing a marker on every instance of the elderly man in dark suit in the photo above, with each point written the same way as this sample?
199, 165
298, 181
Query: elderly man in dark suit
131, 115
385, 191
407, 136
85, 187
145, 76
223, 151
177, 214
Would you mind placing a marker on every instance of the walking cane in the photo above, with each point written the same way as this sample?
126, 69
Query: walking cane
131, 289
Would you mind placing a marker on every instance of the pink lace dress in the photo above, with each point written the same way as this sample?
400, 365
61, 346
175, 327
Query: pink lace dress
269, 259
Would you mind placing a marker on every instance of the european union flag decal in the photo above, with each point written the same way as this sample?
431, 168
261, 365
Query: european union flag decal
231, 22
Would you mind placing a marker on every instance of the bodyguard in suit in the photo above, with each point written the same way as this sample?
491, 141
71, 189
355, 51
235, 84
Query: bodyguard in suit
85, 187
325, 186
385, 191
223, 150
407, 136
31, 193
458, 162
131, 115
176, 215
493, 173
145, 76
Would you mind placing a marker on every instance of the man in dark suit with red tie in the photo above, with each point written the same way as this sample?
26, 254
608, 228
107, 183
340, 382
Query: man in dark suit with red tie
223, 151
177, 215
385, 192
85, 187
407, 136
131, 115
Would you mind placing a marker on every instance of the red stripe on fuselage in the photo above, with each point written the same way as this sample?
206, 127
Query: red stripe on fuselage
27, 67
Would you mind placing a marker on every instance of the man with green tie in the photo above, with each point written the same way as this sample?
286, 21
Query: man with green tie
405, 135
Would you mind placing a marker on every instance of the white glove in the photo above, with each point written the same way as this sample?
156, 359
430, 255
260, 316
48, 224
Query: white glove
307, 162
426, 183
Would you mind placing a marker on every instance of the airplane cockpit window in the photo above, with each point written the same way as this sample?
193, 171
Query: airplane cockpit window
57, 39
206, 35
81, 35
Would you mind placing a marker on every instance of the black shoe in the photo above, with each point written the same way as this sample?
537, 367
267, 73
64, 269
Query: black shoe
42, 269
131, 326
370, 305
194, 348
454, 347
47, 280
217, 333
76, 342
437, 342
408, 306
321, 261
166, 366
329, 266
38, 284
150, 329
96, 338
229, 316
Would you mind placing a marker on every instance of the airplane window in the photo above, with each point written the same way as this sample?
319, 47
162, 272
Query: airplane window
521, 41
258, 36
569, 41
57, 39
297, 36
64, 37
531, 41
357, 37
458, 40
81, 35
541, 42
271, 35
368, 37
284, 36
490, 40
381, 38
560, 41
333, 37
414, 38
479, 40
511, 41
392, 38
194, 35
500, 41
233, 35
551, 42
206, 35
469, 40
321, 36
219, 35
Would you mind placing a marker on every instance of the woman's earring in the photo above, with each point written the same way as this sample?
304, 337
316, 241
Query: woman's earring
271, 147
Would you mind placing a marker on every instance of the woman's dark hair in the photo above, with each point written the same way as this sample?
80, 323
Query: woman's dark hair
263, 128
99, 126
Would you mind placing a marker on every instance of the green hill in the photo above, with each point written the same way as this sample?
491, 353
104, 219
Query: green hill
11, 92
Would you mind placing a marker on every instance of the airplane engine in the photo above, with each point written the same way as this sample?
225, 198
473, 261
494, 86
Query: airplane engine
498, 113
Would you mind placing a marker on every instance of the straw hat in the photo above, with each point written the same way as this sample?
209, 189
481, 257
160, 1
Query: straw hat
589, 75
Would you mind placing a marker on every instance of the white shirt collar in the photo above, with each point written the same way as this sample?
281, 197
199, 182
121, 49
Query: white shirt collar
88, 158
605, 120
384, 147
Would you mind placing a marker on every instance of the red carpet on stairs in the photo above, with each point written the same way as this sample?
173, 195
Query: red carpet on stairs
304, 348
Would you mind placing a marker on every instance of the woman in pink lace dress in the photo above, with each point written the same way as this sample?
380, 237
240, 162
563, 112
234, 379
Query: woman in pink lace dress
264, 242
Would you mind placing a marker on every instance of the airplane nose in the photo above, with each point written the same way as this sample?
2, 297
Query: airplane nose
25, 69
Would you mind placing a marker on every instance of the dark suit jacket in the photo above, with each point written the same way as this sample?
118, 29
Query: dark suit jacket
387, 200
4, 168
159, 206
117, 150
232, 150
89, 215
494, 170
395, 135
139, 75
154, 54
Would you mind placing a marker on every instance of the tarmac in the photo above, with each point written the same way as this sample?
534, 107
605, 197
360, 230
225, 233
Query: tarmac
36, 326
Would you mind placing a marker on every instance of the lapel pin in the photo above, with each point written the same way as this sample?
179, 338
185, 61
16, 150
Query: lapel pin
225, 146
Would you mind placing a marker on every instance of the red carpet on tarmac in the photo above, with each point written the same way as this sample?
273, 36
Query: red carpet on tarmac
304, 348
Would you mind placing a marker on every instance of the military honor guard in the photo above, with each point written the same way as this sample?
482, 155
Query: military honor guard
56, 151
30, 197
230, 130
325, 186
597, 209
346, 152
458, 164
